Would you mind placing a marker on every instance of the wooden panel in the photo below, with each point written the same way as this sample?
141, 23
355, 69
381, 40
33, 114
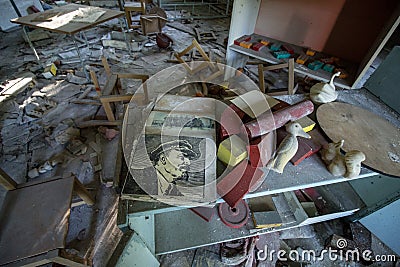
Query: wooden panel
62, 22
6, 181
35, 219
301, 22
357, 27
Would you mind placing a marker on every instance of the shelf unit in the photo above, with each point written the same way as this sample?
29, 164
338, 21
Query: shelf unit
165, 228
354, 31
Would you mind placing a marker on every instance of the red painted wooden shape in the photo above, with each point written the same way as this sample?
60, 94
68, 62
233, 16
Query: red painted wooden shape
238, 182
231, 121
244, 38
257, 46
268, 122
205, 213
260, 150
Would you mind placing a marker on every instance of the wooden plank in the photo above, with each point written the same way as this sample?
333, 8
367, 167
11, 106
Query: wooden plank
6, 181
65, 26
86, 102
291, 76
106, 66
67, 262
95, 82
261, 77
110, 85
275, 67
132, 76
82, 192
108, 110
94, 123
115, 98
86, 92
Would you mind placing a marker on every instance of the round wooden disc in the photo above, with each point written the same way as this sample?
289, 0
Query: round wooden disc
362, 130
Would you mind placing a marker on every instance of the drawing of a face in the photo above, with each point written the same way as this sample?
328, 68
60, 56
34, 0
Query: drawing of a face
174, 163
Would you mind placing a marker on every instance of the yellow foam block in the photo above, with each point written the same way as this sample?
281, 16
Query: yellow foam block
50, 71
302, 59
266, 219
232, 150
306, 123
246, 44
310, 52
264, 42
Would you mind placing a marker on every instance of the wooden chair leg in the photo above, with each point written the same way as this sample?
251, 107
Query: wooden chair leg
128, 18
106, 66
6, 181
261, 77
82, 192
95, 82
108, 110
291, 76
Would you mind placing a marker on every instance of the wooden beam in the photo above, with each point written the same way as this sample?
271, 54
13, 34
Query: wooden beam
6, 181
291, 76
106, 66
82, 192
275, 67
95, 82
261, 80
132, 76
94, 123
108, 110
110, 85
115, 98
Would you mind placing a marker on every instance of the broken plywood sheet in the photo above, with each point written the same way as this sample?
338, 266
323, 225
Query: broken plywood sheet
155, 59
16, 85
254, 103
186, 104
137, 254
109, 157
61, 90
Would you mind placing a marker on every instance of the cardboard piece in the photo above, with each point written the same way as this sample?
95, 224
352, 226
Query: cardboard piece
254, 103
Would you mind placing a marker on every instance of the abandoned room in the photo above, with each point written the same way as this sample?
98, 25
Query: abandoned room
199, 133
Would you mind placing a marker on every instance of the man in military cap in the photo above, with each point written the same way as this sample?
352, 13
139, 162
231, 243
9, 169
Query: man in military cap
171, 161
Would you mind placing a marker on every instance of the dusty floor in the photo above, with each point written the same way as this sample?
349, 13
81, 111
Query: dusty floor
29, 139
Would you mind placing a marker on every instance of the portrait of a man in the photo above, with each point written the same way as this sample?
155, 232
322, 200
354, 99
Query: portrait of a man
171, 161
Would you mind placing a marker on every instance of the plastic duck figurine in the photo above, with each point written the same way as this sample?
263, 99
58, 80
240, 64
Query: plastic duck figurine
348, 165
337, 167
321, 93
288, 147
329, 152
353, 161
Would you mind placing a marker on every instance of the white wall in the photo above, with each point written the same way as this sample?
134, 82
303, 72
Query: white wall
243, 21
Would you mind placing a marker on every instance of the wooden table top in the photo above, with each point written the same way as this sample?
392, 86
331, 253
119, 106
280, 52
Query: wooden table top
61, 19
365, 131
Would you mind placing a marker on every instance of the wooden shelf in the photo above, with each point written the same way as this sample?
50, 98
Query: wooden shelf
172, 229
266, 55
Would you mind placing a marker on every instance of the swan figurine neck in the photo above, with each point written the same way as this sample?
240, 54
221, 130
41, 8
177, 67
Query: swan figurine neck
321, 93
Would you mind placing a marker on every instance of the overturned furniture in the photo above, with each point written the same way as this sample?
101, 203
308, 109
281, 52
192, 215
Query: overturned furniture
289, 65
110, 94
152, 23
133, 6
34, 221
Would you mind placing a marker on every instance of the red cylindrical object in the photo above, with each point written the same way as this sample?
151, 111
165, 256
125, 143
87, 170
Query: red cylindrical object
268, 122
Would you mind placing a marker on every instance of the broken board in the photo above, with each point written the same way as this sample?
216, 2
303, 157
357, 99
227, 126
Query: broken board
362, 130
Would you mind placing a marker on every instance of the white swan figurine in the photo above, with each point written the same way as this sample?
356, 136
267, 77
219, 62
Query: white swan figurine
321, 93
